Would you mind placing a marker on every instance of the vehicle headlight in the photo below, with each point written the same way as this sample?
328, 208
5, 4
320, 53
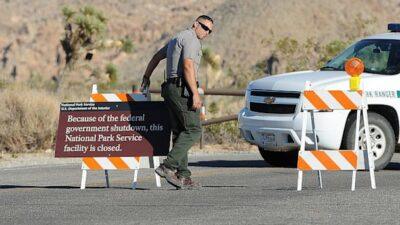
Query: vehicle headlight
247, 99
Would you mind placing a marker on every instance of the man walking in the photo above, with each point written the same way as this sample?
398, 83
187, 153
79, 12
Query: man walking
183, 54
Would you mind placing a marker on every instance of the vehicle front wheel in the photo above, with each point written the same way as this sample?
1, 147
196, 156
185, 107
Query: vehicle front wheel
281, 159
382, 138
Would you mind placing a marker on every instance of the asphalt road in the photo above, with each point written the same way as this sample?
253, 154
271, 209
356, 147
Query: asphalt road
237, 189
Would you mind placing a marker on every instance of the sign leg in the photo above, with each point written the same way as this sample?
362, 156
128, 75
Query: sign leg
107, 180
83, 180
135, 176
156, 160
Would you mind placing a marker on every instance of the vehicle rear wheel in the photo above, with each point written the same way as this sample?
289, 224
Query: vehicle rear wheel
283, 159
382, 138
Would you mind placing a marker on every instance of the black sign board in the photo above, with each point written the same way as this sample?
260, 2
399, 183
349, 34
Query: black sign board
113, 129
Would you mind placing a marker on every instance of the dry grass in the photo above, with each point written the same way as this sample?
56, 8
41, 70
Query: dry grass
28, 119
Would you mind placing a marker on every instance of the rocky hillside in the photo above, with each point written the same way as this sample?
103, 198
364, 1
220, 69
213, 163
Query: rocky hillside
245, 30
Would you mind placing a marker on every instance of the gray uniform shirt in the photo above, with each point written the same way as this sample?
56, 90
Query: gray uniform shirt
185, 45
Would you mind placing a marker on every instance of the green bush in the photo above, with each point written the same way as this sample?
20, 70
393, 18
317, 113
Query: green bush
112, 72
127, 45
310, 54
222, 133
331, 50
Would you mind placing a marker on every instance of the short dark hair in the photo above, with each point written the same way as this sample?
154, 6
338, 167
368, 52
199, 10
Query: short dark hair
205, 17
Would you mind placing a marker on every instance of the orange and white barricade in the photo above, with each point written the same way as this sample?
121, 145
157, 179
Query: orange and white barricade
118, 163
334, 160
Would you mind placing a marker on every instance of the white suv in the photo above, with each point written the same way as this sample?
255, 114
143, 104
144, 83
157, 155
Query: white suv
272, 120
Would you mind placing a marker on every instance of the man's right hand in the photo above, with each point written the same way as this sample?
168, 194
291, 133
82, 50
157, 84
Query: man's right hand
196, 102
145, 83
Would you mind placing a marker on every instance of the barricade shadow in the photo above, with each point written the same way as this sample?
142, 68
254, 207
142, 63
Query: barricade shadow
236, 164
224, 186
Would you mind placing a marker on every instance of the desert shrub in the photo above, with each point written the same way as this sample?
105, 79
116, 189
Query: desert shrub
331, 50
85, 32
37, 81
307, 55
112, 72
111, 84
222, 133
28, 119
127, 45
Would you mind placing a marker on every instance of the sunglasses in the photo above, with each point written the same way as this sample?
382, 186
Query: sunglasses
205, 27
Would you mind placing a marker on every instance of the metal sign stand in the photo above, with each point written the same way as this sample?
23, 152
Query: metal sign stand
119, 163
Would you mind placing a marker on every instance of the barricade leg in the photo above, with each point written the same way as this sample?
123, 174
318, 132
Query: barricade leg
315, 144
372, 176
135, 176
83, 180
299, 180
156, 161
107, 180
371, 170
302, 148
353, 180
371, 162
320, 178
356, 148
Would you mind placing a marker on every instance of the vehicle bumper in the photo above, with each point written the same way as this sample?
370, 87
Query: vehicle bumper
278, 132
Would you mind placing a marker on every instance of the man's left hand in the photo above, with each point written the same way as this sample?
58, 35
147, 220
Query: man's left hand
145, 83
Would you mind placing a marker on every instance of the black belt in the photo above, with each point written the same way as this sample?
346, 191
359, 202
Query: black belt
174, 80
178, 81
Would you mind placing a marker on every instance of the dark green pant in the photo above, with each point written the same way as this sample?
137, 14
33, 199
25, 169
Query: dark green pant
185, 126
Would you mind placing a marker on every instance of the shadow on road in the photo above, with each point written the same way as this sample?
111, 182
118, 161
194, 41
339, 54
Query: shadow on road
258, 164
224, 186
393, 166
231, 163
60, 187
39, 187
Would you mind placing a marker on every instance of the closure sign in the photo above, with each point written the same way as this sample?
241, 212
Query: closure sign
113, 129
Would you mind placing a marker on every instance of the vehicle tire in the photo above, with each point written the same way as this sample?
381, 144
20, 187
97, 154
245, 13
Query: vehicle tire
281, 159
383, 140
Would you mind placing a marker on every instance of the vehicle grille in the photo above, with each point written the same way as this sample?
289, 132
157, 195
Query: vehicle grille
276, 94
273, 108
276, 107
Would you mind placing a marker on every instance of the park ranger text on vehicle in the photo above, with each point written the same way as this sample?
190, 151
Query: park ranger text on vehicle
183, 54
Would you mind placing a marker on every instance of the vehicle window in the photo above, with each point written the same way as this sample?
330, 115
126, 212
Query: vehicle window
379, 56
374, 57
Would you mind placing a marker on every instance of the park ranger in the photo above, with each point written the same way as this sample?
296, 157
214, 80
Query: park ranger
183, 54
